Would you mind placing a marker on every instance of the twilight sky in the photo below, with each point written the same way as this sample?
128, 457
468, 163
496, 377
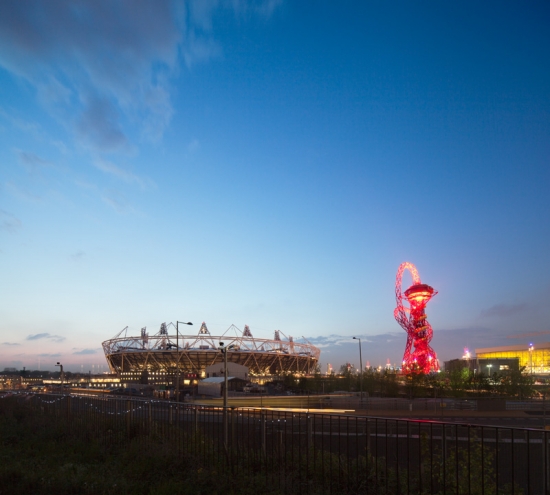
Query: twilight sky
271, 163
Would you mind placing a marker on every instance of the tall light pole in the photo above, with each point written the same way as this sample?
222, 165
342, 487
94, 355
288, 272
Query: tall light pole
360, 374
177, 356
223, 349
531, 349
62, 376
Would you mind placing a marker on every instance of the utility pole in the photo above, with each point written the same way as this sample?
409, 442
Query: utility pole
223, 349
361, 373
178, 357
62, 376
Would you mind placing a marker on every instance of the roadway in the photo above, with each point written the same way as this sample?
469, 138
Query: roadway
350, 405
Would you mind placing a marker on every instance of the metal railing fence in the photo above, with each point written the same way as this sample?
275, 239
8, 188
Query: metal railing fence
301, 452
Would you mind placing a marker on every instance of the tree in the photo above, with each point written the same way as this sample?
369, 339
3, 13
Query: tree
458, 381
516, 383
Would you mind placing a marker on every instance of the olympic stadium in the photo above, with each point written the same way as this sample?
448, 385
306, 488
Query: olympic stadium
168, 351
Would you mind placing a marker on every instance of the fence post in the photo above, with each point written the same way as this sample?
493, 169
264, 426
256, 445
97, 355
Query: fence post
444, 453
263, 421
309, 424
170, 414
128, 416
232, 423
150, 415
196, 422
367, 432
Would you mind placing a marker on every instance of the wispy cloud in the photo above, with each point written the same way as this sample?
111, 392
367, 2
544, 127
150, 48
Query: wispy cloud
193, 146
8, 222
10, 343
341, 340
40, 336
263, 8
86, 351
117, 201
31, 161
20, 193
78, 255
99, 128
22, 124
504, 310
112, 169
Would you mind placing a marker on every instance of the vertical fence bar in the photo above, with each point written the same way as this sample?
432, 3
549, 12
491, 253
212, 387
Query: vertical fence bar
482, 460
545, 459
469, 470
128, 417
408, 434
497, 451
387, 433
398, 472
420, 457
431, 458
330, 453
513, 463
196, 419
339, 453
375, 459
309, 432
457, 465
528, 462
263, 433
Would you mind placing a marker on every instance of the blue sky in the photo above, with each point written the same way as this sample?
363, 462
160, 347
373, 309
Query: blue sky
272, 164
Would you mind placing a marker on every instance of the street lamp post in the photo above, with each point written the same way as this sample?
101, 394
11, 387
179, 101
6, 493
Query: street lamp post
223, 349
62, 376
531, 349
178, 357
360, 374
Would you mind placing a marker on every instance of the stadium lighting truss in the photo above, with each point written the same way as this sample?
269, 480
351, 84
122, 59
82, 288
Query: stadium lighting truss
166, 351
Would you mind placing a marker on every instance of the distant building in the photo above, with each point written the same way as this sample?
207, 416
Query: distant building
488, 366
157, 377
535, 358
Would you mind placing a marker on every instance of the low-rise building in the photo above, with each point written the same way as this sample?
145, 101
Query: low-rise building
233, 369
214, 386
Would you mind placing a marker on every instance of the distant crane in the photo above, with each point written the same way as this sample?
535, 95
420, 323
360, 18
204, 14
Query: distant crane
528, 334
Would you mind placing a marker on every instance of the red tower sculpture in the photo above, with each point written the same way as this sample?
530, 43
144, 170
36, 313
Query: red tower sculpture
419, 357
